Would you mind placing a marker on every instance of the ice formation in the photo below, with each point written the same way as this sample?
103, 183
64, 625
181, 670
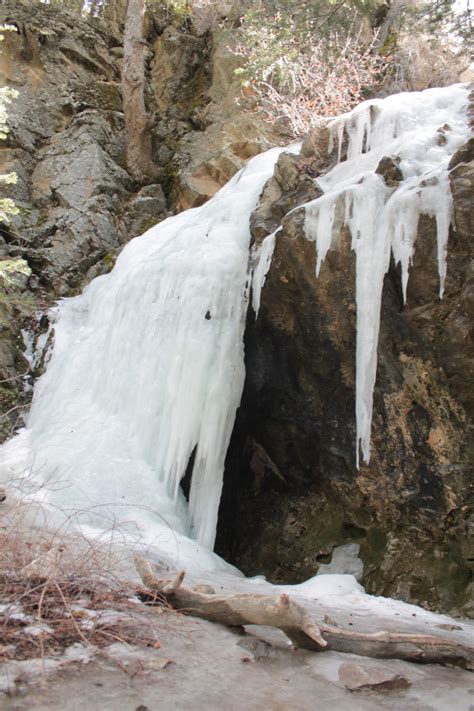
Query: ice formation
420, 131
262, 259
147, 367
146, 374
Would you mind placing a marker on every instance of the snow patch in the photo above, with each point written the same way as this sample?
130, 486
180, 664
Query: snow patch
345, 560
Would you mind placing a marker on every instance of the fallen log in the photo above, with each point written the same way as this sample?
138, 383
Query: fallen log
239, 609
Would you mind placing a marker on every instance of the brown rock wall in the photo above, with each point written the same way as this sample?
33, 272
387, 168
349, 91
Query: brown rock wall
411, 508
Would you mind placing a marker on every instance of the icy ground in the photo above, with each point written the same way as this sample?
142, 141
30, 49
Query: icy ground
204, 667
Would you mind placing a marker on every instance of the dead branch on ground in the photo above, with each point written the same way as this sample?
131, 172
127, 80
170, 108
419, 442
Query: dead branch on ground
238, 609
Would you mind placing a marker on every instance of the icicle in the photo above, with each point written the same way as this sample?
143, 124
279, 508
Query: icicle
321, 223
336, 129
383, 219
437, 202
262, 259
358, 130
372, 247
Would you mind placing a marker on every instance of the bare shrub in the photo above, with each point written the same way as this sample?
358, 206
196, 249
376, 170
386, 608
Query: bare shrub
332, 78
421, 62
57, 590
431, 43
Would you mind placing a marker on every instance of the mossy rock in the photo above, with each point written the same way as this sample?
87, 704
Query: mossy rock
148, 224
103, 95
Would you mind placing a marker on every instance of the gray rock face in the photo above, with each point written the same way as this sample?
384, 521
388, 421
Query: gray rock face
204, 124
65, 150
145, 210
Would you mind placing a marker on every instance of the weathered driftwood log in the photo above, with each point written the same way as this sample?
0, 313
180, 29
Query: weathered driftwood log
237, 609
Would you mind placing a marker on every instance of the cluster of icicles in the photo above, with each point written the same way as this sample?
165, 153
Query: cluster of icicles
147, 368
419, 132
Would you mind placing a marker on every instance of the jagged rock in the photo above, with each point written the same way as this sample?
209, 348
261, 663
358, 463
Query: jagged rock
229, 131
7, 358
264, 221
287, 173
177, 55
462, 179
315, 156
78, 239
464, 155
390, 172
75, 169
356, 677
70, 186
207, 15
288, 188
146, 209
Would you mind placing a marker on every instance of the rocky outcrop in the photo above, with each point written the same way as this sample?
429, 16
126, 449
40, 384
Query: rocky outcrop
66, 144
410, 510
206, 123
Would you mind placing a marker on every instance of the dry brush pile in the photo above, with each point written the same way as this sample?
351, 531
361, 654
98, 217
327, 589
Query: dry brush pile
60, 590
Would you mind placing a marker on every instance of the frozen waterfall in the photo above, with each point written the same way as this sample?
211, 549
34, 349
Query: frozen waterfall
147, 372
147, 368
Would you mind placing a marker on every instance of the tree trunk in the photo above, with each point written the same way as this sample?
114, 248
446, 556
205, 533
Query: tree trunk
137, 122
236, 609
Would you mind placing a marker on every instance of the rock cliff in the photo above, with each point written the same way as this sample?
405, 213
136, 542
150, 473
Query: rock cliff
292, 492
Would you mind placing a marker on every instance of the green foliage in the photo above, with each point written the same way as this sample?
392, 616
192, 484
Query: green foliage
14, 272
178, 12
78, 6
276, 33
437, 18
430, 44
